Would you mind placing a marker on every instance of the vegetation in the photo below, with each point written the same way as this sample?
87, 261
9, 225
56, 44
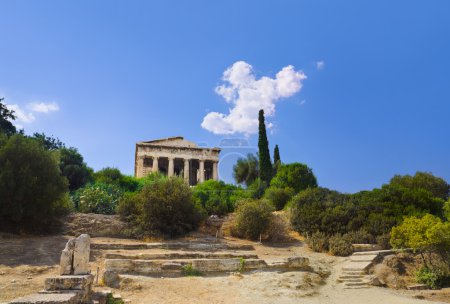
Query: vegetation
278, 196
74, 168
253, 219
164, 206
113, 176
265, 164
318, 242
6, 116
217, 197
296, 176
246, 170
32, 190
97, 198
190, 271
340, 245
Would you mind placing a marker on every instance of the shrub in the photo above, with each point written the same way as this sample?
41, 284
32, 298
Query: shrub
32, 190
435, 278
383, 241
163, 206
74, 168
360, 237
216, 197
252, 218
256, 189
113, 176
318, 242
189, 271
278, 196
97, 198
447, 210
296, 176
340, 245
278, 230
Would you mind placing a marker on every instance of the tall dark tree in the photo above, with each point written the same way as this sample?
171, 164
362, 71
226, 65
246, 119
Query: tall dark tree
6, 116
74, 168
276, 155
265, 165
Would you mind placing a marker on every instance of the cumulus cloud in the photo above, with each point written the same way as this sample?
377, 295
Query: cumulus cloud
22, 116
320, 64
42, 107
247, 95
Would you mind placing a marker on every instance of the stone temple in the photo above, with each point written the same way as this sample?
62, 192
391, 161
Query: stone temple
175, 156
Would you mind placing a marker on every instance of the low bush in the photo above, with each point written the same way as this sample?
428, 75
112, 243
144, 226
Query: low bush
318, 242
253, 219
435, 278
383, 241
97, 198
113, 176
278, 230
360, 237
278, 196
340, 245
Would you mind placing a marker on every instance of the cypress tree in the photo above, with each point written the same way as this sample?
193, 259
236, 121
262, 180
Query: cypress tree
265, 165
276, 155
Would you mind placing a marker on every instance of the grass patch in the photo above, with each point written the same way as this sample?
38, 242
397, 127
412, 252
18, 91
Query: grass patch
189, 271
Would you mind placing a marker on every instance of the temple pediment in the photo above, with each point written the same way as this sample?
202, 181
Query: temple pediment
176, 141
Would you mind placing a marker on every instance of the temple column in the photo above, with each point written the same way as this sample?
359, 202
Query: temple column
155, 164
215, 172
140, 167
186, 170
201, 170
171, 166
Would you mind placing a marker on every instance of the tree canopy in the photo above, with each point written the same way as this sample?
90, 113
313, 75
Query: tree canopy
6, 118
296, 176
246, 170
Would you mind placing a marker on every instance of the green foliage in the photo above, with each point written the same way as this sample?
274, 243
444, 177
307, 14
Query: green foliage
48, 142
246, 170
421, 180
110, 300
296, 176
265, 164
113, 176
241, 265
97, 198
162, 206
32, 190
253, 218
383, 241
278, 196
435, 278
276, 155
256, 189
6, 116
318, 242
189, 271
74, 168
217, 197
447, 210
360, 237
340, 245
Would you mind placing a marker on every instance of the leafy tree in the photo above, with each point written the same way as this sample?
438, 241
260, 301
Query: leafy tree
265, 164
257, 188
278, 196
32, 190
113, 176
253, 218
296, 176
74, 168
246, 170
217, 197
426, 181
49, 142
6, 116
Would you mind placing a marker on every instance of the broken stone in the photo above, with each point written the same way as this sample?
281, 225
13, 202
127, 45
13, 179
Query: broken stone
111, 279
66, 261
374, 281
297, 262
81, 255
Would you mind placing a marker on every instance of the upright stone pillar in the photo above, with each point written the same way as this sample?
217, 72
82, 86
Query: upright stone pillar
215, 172
155, 165
202, 171
170, 171
186, 170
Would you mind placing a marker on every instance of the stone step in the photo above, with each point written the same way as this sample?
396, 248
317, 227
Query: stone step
351, 276
365, 247
178, 255
375, 252
49, 298
349, 272
355, 284
190, 246
356, 266
363, 258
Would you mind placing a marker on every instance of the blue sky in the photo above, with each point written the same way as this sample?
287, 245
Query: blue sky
102, 75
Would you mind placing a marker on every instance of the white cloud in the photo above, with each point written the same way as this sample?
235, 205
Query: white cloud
42, 107
22, 116
248, 95
320, 64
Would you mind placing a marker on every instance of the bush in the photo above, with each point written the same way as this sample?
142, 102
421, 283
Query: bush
163, 206
278, 196
340, 245
360, 237
74, 168
97, 198
32, 190
383, 241
113, 176
216, 197
435, 278
318, 242
296, 176
278, 230
256, 189
252, 219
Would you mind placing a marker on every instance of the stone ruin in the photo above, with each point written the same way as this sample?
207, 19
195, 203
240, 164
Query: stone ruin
74, 285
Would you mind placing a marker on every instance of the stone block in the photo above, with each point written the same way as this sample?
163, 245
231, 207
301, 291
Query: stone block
216, 265
119, 265
69, 282
111, 279
254, 264
66, 261
49, 298
81, 254
297, 262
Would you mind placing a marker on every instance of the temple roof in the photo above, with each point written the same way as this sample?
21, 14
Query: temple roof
175, 141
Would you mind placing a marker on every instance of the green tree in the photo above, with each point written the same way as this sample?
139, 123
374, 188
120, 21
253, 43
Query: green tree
278, 196
49, 142
113, 176
246, 170
32, 190
74, 168
296, 176
6, 116
447, 210
265, 164
276, 160
253, 218
426, 181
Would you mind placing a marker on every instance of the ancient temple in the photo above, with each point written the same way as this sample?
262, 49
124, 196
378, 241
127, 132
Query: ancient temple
177, 156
